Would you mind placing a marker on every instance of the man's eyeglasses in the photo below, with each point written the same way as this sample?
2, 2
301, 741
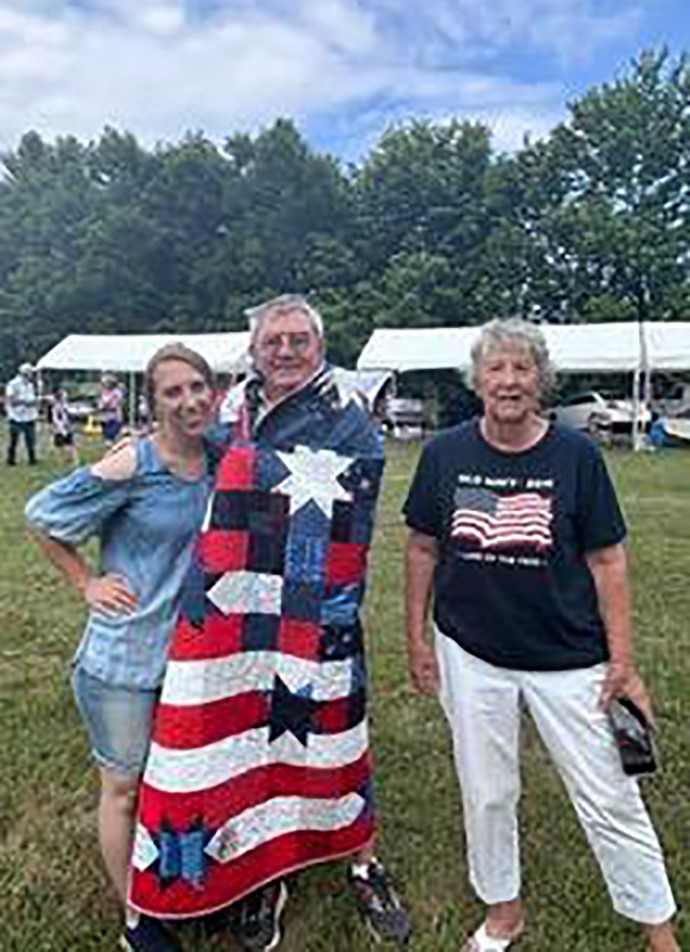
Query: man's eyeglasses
297, 343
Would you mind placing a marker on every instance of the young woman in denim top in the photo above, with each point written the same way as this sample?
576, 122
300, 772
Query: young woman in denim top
145, 502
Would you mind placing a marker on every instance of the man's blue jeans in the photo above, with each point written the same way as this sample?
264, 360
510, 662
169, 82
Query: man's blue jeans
28, 431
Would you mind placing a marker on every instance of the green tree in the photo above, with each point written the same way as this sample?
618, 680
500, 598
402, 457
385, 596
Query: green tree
422, 190
45, 197
285, 207
629, 148
609, 236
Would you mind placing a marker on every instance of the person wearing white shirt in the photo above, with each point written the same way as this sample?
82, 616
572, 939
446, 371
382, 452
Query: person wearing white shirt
21, 404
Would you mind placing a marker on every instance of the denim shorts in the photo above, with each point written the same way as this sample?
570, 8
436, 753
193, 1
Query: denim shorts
118, 721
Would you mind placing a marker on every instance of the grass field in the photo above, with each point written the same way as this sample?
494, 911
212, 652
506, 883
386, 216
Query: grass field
54, 894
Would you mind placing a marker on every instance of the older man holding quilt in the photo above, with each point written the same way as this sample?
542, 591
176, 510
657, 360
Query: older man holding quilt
260, 764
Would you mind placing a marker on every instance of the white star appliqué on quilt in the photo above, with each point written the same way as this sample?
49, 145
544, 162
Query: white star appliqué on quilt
314, 476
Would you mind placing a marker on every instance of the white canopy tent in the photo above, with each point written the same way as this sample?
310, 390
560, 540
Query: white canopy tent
590, 348
620, 346
668, 344
574, 348
129, 353
417, 348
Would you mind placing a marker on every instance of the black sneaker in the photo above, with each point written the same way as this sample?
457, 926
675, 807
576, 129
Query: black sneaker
258, 917
214, 922
149, 935
379, 904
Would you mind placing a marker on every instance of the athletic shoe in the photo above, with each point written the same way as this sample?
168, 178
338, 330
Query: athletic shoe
379, 903
149, 935
212, 923
258, 918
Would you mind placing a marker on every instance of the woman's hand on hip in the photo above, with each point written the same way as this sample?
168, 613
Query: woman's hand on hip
110, 595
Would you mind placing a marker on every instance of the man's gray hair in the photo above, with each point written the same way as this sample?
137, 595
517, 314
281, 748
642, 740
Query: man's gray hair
284, 302
514, 331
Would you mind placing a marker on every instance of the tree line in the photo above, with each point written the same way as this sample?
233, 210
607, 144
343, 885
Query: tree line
432, 228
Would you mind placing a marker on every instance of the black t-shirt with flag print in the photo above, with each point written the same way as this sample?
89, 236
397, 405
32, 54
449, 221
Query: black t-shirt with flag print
511, 584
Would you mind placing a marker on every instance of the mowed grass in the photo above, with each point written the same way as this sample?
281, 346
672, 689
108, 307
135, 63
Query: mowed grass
54, 893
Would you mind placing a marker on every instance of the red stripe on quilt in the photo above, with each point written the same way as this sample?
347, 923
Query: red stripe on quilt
196, 725
225, 884
216, 805
221, 635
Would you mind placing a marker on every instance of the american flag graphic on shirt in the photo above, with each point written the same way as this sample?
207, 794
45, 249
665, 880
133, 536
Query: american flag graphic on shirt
493, 521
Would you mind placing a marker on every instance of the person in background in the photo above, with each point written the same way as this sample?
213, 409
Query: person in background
110, 407
62, 428
21, 407
145, 503
517, 537
379, 409
260, 762
143, 420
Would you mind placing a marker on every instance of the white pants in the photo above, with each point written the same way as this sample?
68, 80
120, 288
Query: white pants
482, 704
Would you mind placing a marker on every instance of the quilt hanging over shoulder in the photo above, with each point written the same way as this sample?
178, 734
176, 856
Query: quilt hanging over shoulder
259, 763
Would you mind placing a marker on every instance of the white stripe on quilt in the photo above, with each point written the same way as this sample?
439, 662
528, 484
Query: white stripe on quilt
267, 821
243, 593
213, 679
186, 771
144, 850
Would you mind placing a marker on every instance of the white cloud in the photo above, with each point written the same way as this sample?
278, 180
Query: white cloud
511, 126
566, 28
158, 16
18, 26
341, 24
158, 67
574, 32
163, 19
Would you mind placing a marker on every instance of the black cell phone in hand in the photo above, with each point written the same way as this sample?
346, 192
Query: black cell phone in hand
633, 737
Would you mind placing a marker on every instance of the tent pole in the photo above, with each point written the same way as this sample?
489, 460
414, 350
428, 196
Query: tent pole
647, 383
132, 400
635, 432
641, 376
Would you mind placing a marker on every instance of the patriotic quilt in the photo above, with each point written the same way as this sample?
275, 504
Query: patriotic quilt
259, 763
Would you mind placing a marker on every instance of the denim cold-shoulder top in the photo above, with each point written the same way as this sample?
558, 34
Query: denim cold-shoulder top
146, 526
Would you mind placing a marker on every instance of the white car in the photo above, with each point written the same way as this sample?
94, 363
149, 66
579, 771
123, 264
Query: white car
596, 411
404, 416
79, 410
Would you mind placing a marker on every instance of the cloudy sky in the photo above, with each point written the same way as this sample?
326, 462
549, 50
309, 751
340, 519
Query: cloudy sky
342, 69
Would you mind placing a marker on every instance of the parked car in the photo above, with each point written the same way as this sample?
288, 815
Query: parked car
80, 409
405, 416
595, 411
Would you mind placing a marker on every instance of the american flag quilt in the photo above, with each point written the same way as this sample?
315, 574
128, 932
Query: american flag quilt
259, 763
